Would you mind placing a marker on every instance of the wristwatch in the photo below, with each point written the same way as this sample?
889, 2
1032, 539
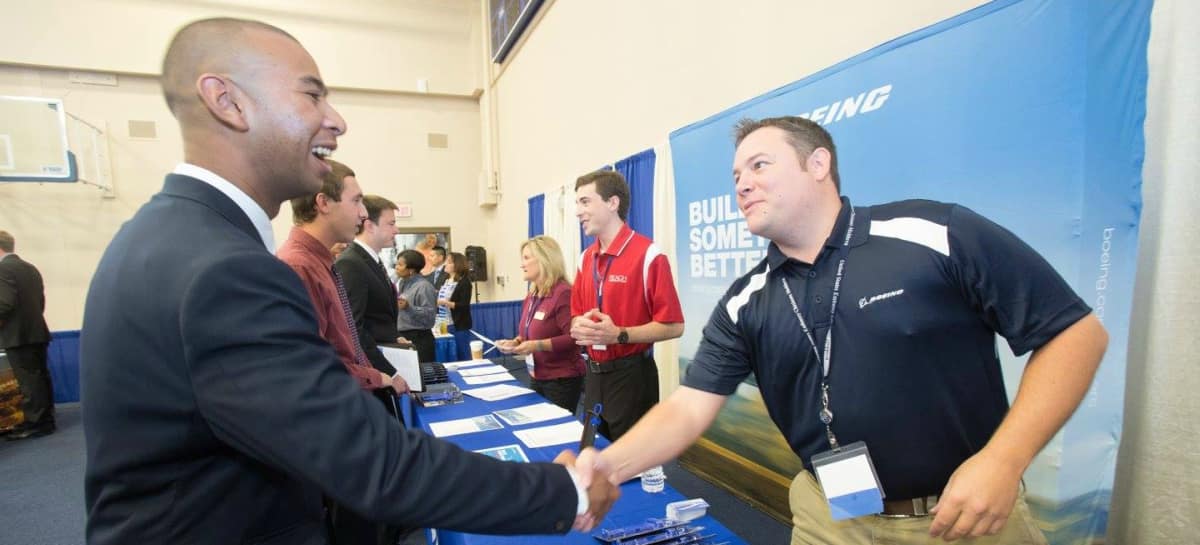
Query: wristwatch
623, 337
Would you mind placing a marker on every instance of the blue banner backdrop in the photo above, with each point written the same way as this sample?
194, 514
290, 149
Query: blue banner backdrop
1029, 112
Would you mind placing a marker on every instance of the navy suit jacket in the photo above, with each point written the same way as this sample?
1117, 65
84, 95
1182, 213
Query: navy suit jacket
372, 301
214, 413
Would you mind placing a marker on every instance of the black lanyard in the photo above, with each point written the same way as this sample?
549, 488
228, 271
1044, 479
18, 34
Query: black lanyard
533, 304
826, 415
598, 280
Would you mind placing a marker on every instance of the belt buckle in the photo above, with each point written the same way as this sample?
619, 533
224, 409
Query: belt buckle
920, 508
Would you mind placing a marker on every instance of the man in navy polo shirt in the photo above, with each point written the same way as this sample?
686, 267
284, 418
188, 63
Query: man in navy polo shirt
907, 364
623, 302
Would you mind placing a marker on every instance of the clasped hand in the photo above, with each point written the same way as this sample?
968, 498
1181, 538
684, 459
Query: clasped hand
517, 345
602, 492
594, 327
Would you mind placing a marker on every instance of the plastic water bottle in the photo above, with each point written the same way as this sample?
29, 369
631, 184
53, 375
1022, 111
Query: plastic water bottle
654, 480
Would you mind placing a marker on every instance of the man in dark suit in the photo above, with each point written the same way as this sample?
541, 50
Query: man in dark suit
213, 411
437, 258
24, 337
372, 296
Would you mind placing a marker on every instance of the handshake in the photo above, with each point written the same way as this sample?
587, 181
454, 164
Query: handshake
598, 479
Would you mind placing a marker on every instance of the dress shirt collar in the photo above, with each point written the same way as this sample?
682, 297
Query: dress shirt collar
371, 252
257, 215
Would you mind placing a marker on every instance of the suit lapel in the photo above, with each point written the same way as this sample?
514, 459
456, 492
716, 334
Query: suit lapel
380, 274
187, 187
372, 264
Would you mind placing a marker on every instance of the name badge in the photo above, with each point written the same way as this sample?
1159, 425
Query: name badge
539, 315
529, 364
849, 481
599, 347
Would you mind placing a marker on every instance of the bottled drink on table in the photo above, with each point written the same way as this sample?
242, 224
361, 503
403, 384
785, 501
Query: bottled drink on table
654, 480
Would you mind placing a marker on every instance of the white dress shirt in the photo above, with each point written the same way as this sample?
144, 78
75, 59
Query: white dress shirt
257, 215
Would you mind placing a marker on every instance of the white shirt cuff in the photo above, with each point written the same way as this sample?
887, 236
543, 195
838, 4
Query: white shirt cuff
580, 491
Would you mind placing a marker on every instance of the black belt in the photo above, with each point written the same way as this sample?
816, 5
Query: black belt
609, 366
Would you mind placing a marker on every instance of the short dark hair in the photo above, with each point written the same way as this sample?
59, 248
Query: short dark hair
608, 183
439, 250
304, 209
413, 260
804, 135
7, 242
375, 206
195, 43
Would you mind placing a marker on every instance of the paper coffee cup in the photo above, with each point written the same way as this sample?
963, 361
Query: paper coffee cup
476, 350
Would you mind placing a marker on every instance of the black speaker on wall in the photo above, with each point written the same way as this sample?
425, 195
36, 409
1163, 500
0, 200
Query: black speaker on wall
477, 263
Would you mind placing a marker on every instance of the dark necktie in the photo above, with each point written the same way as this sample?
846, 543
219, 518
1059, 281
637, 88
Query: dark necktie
359, 356
387, 280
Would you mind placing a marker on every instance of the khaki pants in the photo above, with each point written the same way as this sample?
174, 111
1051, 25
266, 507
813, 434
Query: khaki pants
812, 524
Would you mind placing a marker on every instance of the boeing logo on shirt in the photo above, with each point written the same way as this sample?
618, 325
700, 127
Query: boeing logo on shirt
618, 278
862, 303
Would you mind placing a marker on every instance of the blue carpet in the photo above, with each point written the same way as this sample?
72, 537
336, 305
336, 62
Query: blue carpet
42, 485
41, 492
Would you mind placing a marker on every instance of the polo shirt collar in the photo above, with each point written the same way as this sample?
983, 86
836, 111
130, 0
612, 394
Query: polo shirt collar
619, 242
862, 223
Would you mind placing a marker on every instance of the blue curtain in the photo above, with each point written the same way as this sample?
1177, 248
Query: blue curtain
638, 170
496, 320
62, 360
537, 221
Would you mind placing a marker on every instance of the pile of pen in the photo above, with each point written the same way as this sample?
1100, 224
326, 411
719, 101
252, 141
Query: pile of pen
656, 532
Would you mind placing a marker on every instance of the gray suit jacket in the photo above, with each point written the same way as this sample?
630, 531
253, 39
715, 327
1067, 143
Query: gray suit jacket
214, 413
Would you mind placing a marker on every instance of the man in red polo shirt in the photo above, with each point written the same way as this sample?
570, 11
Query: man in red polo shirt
623, 302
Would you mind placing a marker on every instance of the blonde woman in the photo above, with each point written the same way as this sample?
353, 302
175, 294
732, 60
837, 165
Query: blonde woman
544, 333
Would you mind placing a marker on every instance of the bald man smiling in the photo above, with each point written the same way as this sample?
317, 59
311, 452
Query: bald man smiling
213, 412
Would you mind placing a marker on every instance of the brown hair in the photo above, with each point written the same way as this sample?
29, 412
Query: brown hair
7, 242
460, 265
304, 209
375, 206
804, 135
608, 183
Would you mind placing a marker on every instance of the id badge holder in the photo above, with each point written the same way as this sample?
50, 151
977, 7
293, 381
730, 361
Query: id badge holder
849, 481
529, 364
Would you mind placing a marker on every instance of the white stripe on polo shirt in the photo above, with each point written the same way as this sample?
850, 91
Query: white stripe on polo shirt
735, 303
652, 252
915, 230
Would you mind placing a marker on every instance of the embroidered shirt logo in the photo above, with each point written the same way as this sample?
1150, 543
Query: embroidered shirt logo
862, 303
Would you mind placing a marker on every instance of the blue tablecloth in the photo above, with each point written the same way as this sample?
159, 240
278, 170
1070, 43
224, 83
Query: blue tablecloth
634, 506
445, 348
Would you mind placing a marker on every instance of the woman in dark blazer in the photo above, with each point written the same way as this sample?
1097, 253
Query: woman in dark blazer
454, 303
